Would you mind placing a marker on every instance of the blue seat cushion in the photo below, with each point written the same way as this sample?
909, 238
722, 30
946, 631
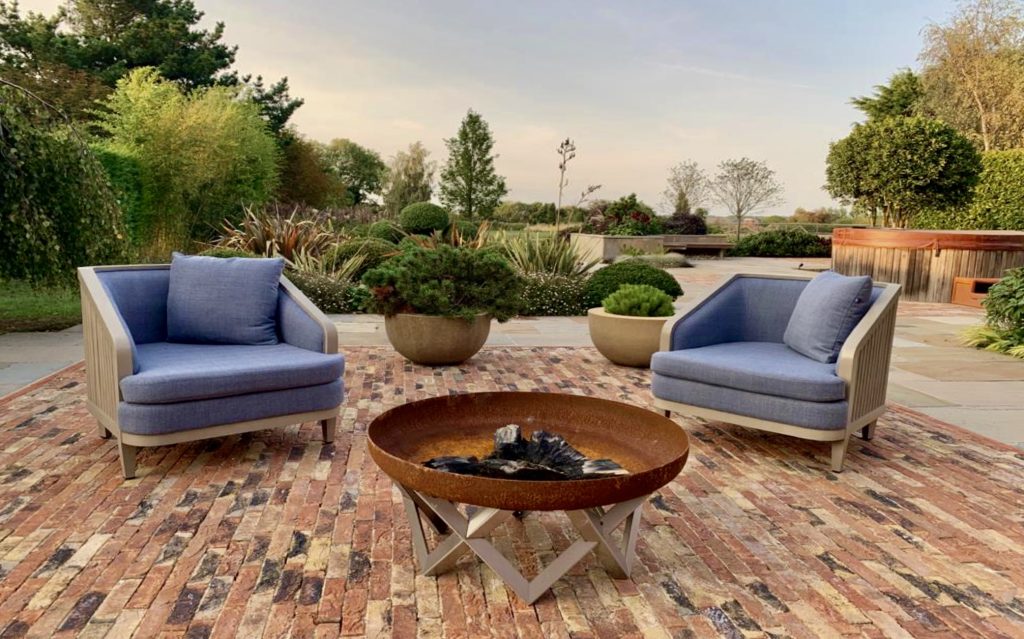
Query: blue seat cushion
170, 373
213, 300
817, 415
161, 419
767, 368
826, 312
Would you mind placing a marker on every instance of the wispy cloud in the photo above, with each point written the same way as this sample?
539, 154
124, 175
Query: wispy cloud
729, 75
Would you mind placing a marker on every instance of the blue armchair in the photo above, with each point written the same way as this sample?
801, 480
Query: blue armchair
147, 391
725, 360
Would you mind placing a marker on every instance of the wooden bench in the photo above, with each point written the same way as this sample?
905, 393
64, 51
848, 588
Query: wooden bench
689, 244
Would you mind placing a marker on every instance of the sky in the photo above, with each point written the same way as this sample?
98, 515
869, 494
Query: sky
638, 86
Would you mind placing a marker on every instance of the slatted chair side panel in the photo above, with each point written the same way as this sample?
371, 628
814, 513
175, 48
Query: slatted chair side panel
102, 382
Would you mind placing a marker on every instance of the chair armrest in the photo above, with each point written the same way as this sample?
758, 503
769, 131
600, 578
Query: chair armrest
698, 321
302, 324
864, 358
108, 345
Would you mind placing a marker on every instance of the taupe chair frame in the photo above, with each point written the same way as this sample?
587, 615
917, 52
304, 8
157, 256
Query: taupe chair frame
108, 360
863, 363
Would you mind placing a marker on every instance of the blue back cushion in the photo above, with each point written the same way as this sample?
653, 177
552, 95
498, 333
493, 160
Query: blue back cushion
140, 299
749, 309
829, 308
214, 300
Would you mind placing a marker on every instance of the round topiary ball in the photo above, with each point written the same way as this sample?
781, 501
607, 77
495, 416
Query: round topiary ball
374, 251
608, 280
386, 230
467, 229
423, 218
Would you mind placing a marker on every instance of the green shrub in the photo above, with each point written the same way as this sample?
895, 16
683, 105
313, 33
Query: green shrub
625, 216
223, 251
685, 224
423, 218
608, 280
1004, 305
374, 251
793, 242
330, 294
639, 300
546, 294
468, 229
445, 281
385, 230
998, 201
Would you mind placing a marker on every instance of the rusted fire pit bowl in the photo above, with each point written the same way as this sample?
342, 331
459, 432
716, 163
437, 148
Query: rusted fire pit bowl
651, 447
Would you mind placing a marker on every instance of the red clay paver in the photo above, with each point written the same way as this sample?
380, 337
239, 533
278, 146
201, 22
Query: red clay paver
275, 534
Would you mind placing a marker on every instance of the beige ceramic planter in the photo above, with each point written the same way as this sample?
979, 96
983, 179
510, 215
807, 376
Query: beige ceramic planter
436, 341
625, 339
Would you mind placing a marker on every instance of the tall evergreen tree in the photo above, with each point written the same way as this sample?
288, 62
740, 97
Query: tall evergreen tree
902, 97
469, 184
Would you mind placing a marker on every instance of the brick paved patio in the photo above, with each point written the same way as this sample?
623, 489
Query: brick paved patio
274, 533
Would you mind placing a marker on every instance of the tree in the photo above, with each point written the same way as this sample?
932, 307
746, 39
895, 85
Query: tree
77, 55
900, 166
973, 72
900, 98
361, 169
57, 209
202, 155
687, 187
304, 177
275, 103
410, 179
744, 186
469, 184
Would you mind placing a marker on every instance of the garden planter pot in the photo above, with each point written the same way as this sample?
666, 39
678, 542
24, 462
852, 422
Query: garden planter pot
436, 341
625, 339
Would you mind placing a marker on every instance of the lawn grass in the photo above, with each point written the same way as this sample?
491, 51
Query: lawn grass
27, 308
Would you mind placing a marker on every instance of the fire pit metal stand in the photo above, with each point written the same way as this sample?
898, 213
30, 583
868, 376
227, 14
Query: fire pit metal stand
459, 534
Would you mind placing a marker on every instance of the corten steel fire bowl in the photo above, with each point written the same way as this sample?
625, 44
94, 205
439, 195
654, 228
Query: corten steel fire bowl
651, 447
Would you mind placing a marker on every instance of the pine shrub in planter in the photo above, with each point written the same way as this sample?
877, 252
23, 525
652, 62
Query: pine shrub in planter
793, 242
549, 294
446, 282
608, 280
639, 300
423, 218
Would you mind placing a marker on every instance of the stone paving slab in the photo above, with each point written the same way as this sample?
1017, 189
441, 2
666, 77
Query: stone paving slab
275, 534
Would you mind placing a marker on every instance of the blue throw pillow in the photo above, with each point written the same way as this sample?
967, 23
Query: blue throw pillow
214, 300
826, 312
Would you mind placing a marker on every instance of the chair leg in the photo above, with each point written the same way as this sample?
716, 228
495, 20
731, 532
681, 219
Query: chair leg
329, 426
839, 453
668, 414
868, 432
103, 432
127, 454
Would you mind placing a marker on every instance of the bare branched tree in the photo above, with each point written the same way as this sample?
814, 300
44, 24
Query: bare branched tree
688, 187
743, 186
